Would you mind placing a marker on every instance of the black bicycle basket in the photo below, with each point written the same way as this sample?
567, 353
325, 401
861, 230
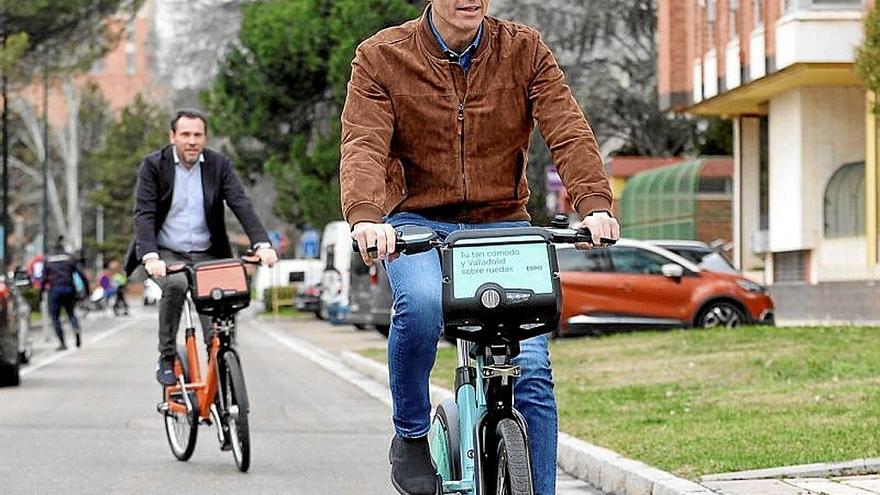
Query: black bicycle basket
500, 285
220, 287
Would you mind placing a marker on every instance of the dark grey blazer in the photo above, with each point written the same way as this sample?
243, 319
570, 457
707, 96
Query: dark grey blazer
155, 189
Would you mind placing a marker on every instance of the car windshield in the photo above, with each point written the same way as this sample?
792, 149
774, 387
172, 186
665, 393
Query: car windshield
706, 259
716, 262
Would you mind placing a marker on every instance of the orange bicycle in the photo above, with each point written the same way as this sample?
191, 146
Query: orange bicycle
218, 289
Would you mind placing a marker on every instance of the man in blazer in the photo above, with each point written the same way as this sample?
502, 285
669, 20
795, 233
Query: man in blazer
180, 199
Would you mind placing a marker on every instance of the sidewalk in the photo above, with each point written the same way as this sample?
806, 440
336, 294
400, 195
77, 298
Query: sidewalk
605, 469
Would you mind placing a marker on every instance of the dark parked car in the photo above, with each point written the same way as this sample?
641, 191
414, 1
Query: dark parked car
369, 297
308, 299
637, 284
12, 349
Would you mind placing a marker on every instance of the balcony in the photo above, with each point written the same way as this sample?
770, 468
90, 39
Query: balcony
817, 36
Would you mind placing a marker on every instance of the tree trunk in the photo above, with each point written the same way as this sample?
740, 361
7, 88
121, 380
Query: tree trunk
68, 141
33, 139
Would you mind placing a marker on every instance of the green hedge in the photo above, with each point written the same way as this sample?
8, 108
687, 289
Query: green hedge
286, 294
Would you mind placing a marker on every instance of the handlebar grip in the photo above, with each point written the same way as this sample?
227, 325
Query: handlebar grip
584, 235
399, 247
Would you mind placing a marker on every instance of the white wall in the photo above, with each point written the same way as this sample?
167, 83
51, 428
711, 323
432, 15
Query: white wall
813, 131
786, 172
835, 135
842, 259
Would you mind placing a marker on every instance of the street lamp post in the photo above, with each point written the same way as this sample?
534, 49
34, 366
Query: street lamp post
5, 125
45, 161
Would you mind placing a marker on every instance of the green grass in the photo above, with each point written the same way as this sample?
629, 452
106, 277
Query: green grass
700, 402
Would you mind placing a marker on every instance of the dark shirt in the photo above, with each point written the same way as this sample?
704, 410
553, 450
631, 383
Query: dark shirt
59, 270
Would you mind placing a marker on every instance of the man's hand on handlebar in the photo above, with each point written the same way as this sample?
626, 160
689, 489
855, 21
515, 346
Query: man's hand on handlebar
602, 226
155, 267
267, 256
378, 235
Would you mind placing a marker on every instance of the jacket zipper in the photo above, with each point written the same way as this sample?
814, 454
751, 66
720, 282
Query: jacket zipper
461, 146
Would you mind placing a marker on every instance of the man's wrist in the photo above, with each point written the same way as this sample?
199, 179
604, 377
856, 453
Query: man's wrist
262, 245
150, 256
599, 212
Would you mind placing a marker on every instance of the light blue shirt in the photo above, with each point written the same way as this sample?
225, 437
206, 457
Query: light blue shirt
186, 229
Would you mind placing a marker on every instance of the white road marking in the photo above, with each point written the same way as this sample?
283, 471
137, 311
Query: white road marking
108, 333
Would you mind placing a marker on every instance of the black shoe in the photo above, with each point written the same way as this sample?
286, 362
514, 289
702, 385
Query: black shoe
165, 371
61, 347
78, 340
412, 471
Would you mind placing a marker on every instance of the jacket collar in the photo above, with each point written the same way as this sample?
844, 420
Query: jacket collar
429, 42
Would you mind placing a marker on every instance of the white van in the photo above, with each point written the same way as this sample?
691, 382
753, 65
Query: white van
287, 272
336, 256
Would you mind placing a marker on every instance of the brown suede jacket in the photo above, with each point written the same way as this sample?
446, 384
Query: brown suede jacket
420, 135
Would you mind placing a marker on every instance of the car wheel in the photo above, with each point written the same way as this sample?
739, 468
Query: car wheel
9, 376
383, 329
721, 314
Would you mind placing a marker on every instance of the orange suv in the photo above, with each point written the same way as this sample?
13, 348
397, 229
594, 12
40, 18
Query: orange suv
635, 284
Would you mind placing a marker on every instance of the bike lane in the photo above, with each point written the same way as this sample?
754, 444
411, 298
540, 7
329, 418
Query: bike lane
85, 422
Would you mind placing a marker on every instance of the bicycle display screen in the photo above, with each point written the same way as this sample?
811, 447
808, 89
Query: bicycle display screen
523, 266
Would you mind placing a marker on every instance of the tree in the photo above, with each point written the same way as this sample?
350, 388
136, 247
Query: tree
608, 52
279, 94
62, 35
51, 36
84, 131
138, 131
868, 56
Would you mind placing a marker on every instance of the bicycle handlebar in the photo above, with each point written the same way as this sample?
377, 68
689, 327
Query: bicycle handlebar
420, 244
171, 268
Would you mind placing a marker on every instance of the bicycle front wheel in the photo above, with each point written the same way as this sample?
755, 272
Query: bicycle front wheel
182, 429
513, 474
236, 403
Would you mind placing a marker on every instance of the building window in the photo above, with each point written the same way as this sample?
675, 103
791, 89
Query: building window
758, 13
790, 266
845, 202
129, 64
710, 23
130, 50
831, 4
764, 173
732, 16
792, 5
97, 67
716, 185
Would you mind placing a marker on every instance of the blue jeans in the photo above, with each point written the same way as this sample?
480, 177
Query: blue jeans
416, 284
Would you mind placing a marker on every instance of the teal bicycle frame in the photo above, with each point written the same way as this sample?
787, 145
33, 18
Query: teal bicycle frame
470, 399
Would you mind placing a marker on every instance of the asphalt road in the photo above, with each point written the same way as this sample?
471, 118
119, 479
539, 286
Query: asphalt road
84, 421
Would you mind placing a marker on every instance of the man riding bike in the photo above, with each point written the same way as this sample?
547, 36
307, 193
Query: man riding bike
180, 199
435, 132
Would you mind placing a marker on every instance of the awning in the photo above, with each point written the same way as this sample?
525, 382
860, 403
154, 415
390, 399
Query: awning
752, 98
